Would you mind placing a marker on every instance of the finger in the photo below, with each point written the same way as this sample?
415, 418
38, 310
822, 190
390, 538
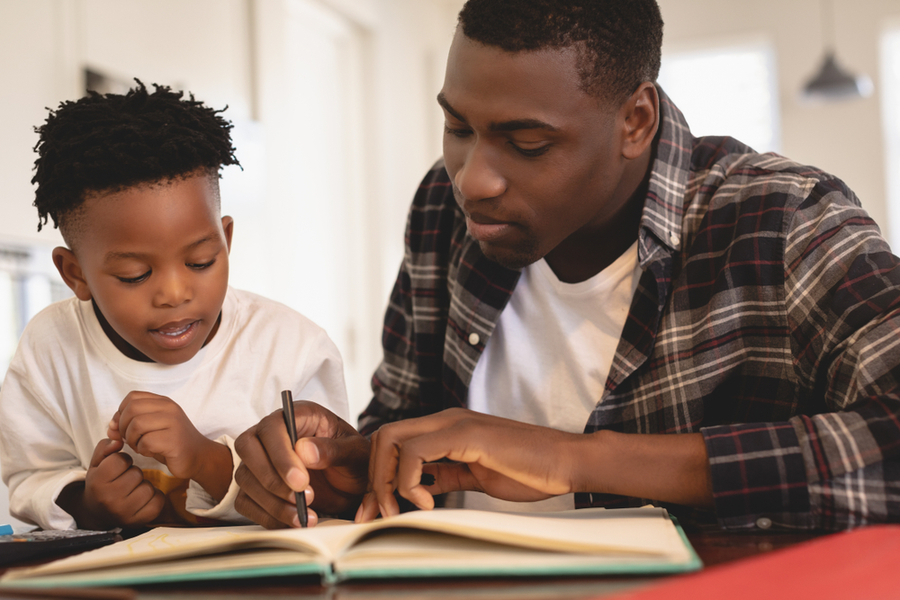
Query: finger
281, 456
112, 430
103, 449
382, 472
257, 503
386, 446
368, 509
147, 502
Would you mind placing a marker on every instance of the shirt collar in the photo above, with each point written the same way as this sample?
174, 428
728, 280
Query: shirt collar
664, 206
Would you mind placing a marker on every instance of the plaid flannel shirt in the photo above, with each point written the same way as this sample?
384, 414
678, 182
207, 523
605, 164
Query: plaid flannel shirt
766, 318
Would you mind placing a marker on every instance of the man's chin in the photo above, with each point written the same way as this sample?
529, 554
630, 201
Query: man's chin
515, 260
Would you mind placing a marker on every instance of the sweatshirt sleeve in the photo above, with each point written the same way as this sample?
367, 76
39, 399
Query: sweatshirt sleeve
37, 454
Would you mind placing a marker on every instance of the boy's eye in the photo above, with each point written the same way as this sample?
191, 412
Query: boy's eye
201, 266
137, 279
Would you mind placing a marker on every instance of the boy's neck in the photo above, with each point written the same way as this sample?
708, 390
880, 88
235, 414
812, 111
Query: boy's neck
126, 348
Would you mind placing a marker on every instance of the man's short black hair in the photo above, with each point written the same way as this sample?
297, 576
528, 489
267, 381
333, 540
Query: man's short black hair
619, 41
110, 142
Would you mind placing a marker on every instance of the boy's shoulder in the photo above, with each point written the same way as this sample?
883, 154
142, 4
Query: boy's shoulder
59, 321
255, 311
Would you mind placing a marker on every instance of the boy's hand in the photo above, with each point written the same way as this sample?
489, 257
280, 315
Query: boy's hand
330, 456
114, 492
155, 426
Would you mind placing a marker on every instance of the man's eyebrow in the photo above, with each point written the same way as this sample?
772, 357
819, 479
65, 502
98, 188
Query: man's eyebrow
113, 255
505, 126
442, 100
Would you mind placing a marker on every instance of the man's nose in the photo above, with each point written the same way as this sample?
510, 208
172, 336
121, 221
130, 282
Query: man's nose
479, 179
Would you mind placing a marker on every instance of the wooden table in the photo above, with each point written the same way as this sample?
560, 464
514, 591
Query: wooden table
712, 545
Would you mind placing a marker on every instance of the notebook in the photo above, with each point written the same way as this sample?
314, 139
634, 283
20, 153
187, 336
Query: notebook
438, 543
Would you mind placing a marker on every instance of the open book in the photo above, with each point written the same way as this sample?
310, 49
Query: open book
434, 543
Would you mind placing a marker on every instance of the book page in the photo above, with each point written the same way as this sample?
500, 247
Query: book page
646, 530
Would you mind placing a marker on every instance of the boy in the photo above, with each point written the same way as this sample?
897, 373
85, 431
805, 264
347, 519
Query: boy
121, 404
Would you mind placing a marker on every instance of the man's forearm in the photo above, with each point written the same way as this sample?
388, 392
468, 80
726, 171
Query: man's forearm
662, 467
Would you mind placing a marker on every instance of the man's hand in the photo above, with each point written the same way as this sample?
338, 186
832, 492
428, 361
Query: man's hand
330, 456
521, 462
155, 426
113, 494
503, 458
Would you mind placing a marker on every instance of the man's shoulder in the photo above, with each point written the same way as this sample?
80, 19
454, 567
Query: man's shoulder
726, 168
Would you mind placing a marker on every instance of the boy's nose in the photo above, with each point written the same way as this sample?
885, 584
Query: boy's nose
172, 290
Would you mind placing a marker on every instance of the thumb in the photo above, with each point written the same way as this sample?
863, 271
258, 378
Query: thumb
323, 452
105, 448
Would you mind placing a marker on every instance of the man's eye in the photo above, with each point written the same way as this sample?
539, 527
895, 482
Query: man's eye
531, 152
137, 279
457, 132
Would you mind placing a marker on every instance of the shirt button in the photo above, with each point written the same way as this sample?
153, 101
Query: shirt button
673, 239
764, 522
474, 338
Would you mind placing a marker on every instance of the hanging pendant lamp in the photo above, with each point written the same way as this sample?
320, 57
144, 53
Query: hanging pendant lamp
832, 82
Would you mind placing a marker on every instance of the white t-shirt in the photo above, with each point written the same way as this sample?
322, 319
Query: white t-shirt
549, 356
67, 379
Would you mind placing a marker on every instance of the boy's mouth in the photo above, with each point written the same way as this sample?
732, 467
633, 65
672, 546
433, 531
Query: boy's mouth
175, 335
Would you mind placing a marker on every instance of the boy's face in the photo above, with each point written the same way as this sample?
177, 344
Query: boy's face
532, 157
155, 260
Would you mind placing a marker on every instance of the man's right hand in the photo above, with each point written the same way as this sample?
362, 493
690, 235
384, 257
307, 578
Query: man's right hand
330, 457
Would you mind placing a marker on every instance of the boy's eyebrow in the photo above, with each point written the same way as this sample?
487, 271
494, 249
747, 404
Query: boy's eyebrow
505, 126
114, 255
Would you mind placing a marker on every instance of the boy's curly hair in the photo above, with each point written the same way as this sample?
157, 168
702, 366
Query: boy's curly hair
619, 42
111, 142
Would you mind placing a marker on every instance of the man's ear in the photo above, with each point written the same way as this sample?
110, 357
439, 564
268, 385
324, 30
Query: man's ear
67, 264
641, 120
228, 228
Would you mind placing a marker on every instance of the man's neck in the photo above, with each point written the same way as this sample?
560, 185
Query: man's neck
586, 253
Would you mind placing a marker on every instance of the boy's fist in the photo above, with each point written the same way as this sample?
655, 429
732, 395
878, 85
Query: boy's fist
115, 491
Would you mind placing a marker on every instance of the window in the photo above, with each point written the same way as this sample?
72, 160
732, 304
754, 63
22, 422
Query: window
726, 91
28, 283
890, 116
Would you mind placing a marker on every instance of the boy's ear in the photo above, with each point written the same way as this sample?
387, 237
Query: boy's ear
67, 264
641, 120
228, 228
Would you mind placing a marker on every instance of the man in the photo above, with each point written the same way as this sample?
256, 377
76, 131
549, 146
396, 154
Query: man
593, 301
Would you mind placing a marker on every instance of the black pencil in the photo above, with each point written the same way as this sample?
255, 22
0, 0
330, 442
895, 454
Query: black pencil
287, 406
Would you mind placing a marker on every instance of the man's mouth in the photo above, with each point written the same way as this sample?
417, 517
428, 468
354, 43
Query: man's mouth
486, 229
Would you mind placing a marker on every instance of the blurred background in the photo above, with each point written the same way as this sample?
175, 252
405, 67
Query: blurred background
336, 123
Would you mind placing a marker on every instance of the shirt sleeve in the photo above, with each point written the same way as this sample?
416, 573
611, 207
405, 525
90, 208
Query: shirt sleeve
837, 464
198, 502
37, 455
417, 294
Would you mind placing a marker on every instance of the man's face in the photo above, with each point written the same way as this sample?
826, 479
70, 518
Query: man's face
155, 260
533, 159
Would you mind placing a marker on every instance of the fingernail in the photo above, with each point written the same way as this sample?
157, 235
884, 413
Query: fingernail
296, 521
113, 424
309, 452
295, 480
